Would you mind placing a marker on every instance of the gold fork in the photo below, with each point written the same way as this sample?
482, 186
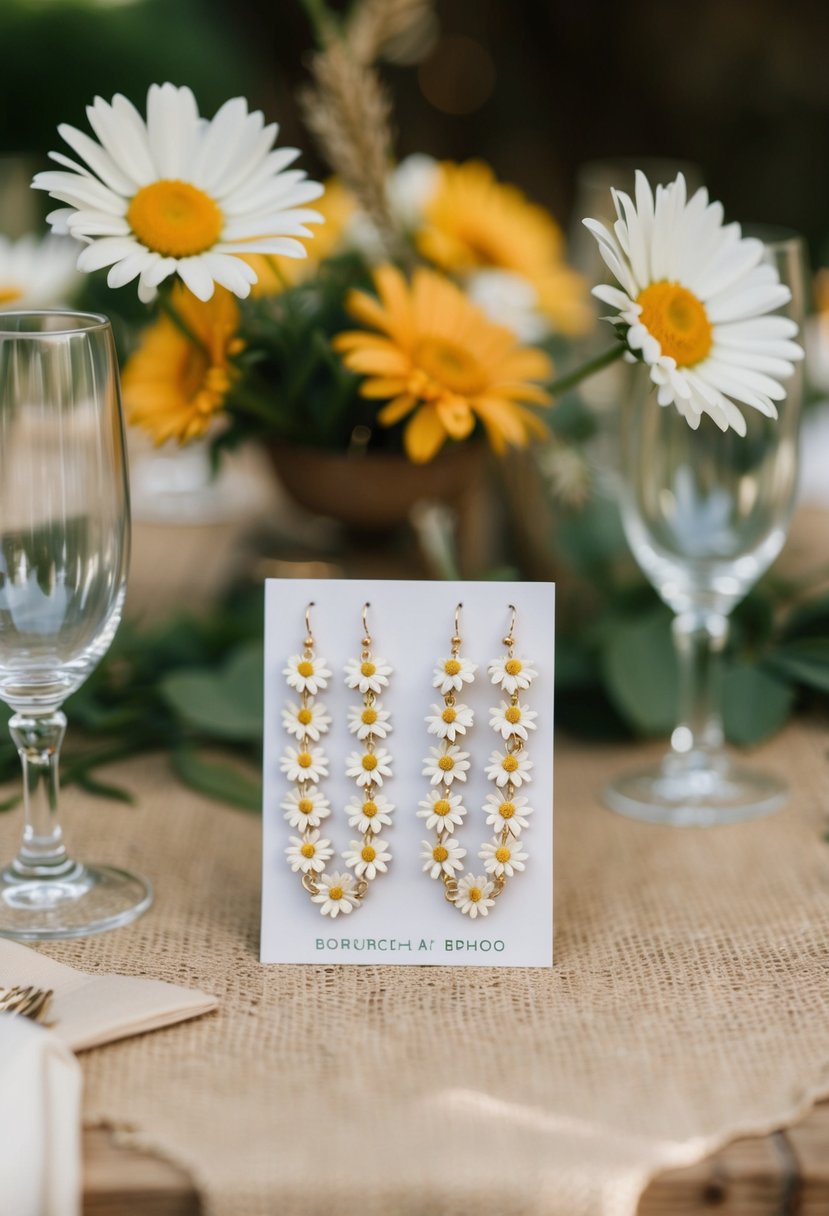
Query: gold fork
27, 1002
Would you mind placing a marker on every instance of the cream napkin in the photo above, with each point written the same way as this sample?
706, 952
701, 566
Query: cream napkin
40, 1121
88, 1010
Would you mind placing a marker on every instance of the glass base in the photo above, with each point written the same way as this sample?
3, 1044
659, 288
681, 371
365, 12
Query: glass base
687, 796
82, 901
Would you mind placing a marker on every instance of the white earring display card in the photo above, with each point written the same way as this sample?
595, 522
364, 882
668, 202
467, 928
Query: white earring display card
408, 773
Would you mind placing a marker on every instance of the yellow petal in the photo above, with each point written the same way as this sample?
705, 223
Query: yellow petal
425, 435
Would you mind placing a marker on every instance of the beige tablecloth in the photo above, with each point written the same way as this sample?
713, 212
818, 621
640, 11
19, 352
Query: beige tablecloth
689, 1004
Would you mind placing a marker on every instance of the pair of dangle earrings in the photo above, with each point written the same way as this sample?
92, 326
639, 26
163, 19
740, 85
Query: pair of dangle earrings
305, 765
507, 808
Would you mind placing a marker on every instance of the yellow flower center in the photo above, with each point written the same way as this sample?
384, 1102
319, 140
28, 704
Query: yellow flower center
510, 764
175, 219
305, 759
506, 810
449, 714
447, 365
446, 763
369, 809
451, 667
440, 852
335, 893
369, 716
308, 850
306, 806
367, 668
305, 668
368, 853
512, 667
9, 294
502, 854
442, 807
513, 714
475, 893
305, 716
678, 321
369, 762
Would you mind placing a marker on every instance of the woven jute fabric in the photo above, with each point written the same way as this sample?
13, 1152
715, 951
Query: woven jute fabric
689, 1003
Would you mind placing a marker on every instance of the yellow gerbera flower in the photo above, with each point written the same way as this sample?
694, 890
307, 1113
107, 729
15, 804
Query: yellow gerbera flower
471, 221
276, 273
438, 356
173, 386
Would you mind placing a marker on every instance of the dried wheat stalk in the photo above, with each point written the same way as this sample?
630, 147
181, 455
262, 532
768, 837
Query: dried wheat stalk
398, 27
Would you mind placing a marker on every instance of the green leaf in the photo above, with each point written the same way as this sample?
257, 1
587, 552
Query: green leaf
226, 704
640, 670
754, 703
217, 779
806, 662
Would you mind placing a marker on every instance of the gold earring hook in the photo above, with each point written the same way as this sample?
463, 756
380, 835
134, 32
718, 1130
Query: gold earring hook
309, 637
366, 634
509, 640
456, 638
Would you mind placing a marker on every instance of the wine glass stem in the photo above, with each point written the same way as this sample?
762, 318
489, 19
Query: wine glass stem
42, 853
699, 639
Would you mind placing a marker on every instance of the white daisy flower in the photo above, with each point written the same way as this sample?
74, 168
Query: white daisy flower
442, 857
369, 814
442, 811
37, 273
449, 721
509, 813
365, 720
446, 765
511, 673
179, 194
368, 858
336, 894
509, 767
304, 763
306, 675
369, 768
474, 897
695, 297
308, 721
511, 301
309, 853
513, 721
503, 857
367, 675
451, 674
305, 810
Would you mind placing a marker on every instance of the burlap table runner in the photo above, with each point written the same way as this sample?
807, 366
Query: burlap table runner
689, 1004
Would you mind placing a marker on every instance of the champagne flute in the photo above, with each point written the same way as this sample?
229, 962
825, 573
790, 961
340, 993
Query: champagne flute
64, 550
705, 514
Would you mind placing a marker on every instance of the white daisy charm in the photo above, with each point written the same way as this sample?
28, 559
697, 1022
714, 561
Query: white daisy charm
442, 857
512, 813
305, 808
449, 721
509, 768
512, 721
308, 721
368, 858
442, 811
365, 720
451, 674
369, 815
306, 673
693, 302
304, 763
309, 853
178, 194
446, 765
369, 768
475, 895
367, 674
336, 893
503, 857
512, 674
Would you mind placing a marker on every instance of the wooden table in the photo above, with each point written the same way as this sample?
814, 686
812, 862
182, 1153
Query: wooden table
784, 1174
